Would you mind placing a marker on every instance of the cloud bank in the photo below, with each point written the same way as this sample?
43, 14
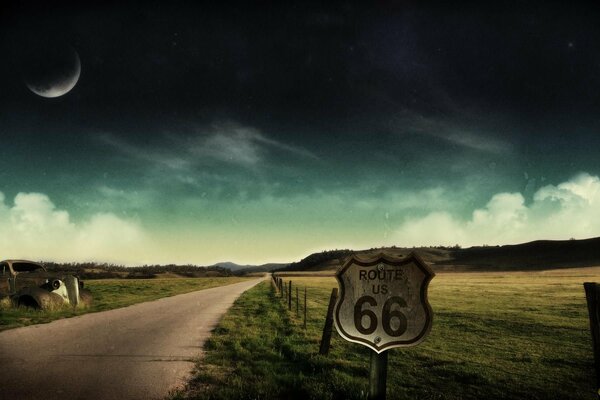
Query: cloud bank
33, 228
570, 209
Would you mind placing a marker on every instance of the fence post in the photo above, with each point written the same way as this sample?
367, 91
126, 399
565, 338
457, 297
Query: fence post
304, 307
593, 298
290, 297
326, 338
297, 303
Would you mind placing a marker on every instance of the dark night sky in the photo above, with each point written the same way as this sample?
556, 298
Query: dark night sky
258, 132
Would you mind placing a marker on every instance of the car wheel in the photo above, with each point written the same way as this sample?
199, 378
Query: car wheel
29, 302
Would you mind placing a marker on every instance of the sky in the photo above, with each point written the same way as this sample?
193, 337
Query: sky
262, 132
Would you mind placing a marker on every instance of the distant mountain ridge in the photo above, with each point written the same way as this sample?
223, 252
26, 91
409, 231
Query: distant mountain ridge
539, 254
536, 255
237, 268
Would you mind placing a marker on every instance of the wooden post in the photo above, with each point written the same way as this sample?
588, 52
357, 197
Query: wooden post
326, 338
378, 375
290, 297
282, 288
592, 296
297, 303
304, 307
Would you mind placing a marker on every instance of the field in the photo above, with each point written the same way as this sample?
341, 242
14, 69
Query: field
495, 336
109, 294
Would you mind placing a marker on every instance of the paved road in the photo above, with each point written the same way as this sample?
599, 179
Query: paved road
137, 352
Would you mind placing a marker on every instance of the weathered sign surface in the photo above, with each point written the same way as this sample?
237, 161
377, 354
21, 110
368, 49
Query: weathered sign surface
383, 301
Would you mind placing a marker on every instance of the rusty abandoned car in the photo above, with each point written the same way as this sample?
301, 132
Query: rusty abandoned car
29, 284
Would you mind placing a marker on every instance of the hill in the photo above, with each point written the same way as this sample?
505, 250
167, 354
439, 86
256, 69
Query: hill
231, 266
260, 268
238, 269
536, 255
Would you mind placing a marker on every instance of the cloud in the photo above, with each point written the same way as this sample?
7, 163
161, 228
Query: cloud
570, 209
160, 156
237, 147
451, 132
33, 228
232, 143
205, 230
475, 141
228, 143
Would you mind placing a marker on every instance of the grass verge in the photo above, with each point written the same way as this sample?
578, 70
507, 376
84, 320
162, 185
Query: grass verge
109, 294
495, 336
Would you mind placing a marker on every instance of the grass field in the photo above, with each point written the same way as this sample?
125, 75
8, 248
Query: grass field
494, 336
109, 294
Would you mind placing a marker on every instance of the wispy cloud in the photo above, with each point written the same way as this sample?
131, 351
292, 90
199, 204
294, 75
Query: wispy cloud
477, 142
161, 156
452, 132
233, 143
227, 142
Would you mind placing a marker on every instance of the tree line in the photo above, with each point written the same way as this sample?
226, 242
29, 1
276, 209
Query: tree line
91, 270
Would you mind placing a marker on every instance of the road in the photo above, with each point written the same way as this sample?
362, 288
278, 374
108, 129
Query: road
137, 352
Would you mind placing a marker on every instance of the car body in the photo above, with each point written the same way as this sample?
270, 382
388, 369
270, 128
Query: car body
27, 283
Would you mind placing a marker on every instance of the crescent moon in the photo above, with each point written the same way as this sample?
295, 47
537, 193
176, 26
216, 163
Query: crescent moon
55, 83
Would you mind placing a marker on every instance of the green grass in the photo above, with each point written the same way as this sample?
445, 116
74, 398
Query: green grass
109, 294
495, 336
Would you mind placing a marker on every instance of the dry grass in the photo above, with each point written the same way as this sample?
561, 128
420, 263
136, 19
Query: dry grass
109, 294
513, 335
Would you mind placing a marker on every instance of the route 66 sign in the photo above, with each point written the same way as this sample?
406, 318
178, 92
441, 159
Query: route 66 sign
383, 301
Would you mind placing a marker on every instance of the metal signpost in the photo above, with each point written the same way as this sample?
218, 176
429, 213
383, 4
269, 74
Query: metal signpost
383, 304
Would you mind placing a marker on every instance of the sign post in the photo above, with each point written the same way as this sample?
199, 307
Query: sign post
592, 294
382, 305
378, 375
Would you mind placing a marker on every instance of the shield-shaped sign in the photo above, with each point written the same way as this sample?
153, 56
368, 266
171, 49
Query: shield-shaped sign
383, 301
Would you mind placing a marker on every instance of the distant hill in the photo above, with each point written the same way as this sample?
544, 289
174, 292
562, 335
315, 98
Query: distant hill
333, 259
536, 255
324, 260
233, 267
260, 268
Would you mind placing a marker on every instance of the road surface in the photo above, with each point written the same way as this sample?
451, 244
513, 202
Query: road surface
137, 352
